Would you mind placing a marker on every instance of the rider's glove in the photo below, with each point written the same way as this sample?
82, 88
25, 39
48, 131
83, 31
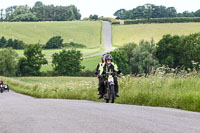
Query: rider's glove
119, 71
99, 76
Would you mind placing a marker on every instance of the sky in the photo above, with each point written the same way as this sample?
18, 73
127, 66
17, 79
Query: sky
107, 8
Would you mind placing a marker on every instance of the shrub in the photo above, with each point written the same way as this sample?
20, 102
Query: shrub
8, 62
115, 22
30, 64
143, 59
164, 20
179, 51
169, 51
73, 45
54, 42
67, 63
120, 58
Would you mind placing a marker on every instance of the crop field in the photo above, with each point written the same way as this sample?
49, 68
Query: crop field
173, 91
84, 32
122, 34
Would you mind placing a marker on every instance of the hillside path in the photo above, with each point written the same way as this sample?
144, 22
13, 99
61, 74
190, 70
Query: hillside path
107, 40
24, 114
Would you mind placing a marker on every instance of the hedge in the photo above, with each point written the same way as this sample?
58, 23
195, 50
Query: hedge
164, 20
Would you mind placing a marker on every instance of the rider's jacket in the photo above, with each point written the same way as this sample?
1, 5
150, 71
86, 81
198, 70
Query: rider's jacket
108, 68
98, 66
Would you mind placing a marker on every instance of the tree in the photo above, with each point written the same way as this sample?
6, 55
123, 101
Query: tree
190, 50
119, 13
93, 17
30, 64
128, 48
3, 42
169, 51
54, 42
1, 14
120, 58
38, 9
197, 13
23, 13
143, 59
67, 63
8, 62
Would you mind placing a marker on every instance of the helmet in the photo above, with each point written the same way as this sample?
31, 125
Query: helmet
108, 57
103, 56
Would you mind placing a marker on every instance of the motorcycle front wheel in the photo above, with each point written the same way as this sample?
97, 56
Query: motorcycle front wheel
112, 95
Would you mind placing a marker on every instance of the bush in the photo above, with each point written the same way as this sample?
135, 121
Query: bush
30, 64
115, 22
107, 19
10, 43
179, 51
73, 45
54, 43
164, 20
120, 58
67, 63
143, 60
169, 52
93, 17
128, 48
8, 62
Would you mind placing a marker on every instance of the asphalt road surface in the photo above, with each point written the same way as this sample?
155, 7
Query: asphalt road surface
24, 114
107, 40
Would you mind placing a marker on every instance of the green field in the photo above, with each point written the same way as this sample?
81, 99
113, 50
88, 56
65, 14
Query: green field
84, 32
122, 34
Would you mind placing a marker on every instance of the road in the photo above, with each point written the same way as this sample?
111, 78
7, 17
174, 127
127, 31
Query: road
24, 114
107, 40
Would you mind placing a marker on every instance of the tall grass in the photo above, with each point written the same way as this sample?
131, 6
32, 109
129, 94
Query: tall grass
182, 92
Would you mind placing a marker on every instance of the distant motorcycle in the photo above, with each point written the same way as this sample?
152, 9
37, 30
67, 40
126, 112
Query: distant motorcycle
1, 88
6, 87
109, 87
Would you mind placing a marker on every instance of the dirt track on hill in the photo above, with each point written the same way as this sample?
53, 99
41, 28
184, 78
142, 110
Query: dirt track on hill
24, 114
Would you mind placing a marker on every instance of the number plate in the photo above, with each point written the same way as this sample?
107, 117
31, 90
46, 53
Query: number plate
110, 79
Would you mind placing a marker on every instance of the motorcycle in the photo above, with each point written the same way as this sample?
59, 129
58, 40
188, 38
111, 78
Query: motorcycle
1, 88
109, 84
6, 87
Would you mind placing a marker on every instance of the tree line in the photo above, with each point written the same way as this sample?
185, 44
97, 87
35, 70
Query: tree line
66, 62
40, 12
148, 11
55, 42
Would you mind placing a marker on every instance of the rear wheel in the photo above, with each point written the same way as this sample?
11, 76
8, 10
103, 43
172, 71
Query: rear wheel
107, 100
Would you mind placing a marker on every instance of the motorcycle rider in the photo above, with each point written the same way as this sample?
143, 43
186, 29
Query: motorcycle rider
109, 66
97, 71
1, 82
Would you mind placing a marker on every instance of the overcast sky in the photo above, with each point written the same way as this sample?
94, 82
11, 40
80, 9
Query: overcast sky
108, 7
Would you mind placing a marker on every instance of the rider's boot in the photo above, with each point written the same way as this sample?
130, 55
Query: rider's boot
100, 96
117, 95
